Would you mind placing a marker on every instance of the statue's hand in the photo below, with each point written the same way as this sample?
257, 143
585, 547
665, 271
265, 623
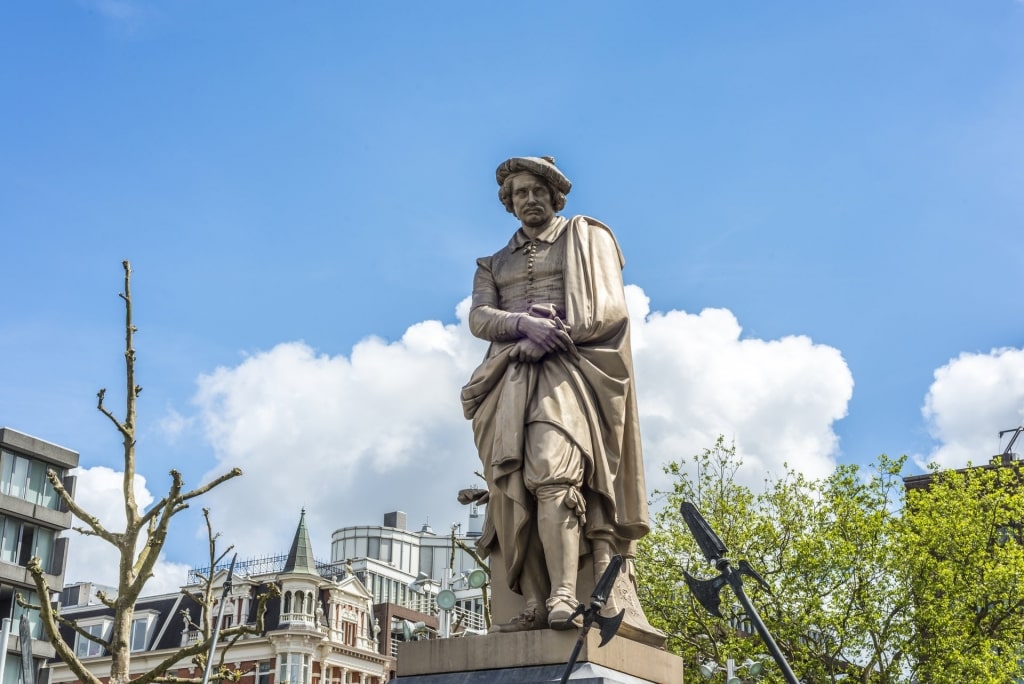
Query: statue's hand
474, 495
547, 333
526, 351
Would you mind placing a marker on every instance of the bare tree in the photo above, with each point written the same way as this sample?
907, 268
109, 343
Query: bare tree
139, 546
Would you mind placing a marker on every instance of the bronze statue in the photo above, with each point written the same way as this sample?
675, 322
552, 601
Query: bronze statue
553, 403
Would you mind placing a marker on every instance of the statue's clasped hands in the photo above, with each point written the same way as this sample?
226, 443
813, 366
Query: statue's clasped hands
542, 332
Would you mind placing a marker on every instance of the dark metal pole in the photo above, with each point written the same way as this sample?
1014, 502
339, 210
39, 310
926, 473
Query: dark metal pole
734, 580
609, 625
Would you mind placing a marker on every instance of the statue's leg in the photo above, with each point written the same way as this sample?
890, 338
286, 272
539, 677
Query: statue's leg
554, 472
560, 535
600, 533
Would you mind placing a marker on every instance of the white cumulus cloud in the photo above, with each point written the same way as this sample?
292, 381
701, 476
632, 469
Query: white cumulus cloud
973, 398
346, 438
698, 378
349, 438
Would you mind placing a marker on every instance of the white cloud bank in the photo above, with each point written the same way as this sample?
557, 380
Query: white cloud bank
349, 438
972, 398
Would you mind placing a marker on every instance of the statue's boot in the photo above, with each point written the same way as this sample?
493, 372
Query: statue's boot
559, 530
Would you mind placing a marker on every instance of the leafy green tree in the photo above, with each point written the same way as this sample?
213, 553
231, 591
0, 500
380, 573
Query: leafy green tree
837, 607
963, 549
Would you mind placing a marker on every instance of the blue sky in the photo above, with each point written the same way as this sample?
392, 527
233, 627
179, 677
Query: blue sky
303, 188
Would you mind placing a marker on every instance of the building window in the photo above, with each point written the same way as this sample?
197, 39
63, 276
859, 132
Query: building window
294, 668
349, 638
25, 478
34, 621
140, 629
263, 672
87, 648
20, 541
427, 561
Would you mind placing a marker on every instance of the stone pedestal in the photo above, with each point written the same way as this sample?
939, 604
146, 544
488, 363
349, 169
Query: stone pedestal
534, 657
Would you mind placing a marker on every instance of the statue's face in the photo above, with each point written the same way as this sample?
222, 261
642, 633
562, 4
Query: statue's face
531, 200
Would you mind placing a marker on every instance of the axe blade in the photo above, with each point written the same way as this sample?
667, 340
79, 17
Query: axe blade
609, 626
707, 592
710, 544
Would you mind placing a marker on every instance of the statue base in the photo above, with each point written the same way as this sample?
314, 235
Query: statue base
532, 657
505, 604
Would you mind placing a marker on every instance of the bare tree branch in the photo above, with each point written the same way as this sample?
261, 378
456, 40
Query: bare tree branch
136, 564
95, 526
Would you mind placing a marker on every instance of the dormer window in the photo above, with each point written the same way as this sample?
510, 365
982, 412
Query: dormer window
138, 639
87, 648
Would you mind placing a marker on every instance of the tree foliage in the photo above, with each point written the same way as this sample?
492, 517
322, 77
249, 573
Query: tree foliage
869, 583
826, 548
139, 545
964, 552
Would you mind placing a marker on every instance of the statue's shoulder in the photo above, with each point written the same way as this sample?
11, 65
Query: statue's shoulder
588, 229
591, 225
486, 262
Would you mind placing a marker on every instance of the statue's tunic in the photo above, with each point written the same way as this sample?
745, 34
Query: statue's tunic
576, 267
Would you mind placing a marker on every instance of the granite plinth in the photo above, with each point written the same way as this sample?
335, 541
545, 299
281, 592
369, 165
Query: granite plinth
534, 656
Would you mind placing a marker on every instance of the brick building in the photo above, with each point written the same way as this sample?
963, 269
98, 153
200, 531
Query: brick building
320, 630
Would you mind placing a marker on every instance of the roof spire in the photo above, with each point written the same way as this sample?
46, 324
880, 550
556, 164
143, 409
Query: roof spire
300, 556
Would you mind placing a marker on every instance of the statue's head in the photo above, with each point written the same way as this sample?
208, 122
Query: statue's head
541, 167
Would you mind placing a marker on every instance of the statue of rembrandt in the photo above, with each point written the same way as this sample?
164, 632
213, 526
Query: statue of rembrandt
553, 404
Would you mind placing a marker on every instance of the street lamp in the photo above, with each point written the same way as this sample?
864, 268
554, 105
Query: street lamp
752, 667
446, 599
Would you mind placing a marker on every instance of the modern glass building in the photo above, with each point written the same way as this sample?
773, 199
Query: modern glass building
408, 569
32, 518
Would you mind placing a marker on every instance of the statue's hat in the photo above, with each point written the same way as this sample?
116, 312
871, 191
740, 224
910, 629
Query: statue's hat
539, 166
